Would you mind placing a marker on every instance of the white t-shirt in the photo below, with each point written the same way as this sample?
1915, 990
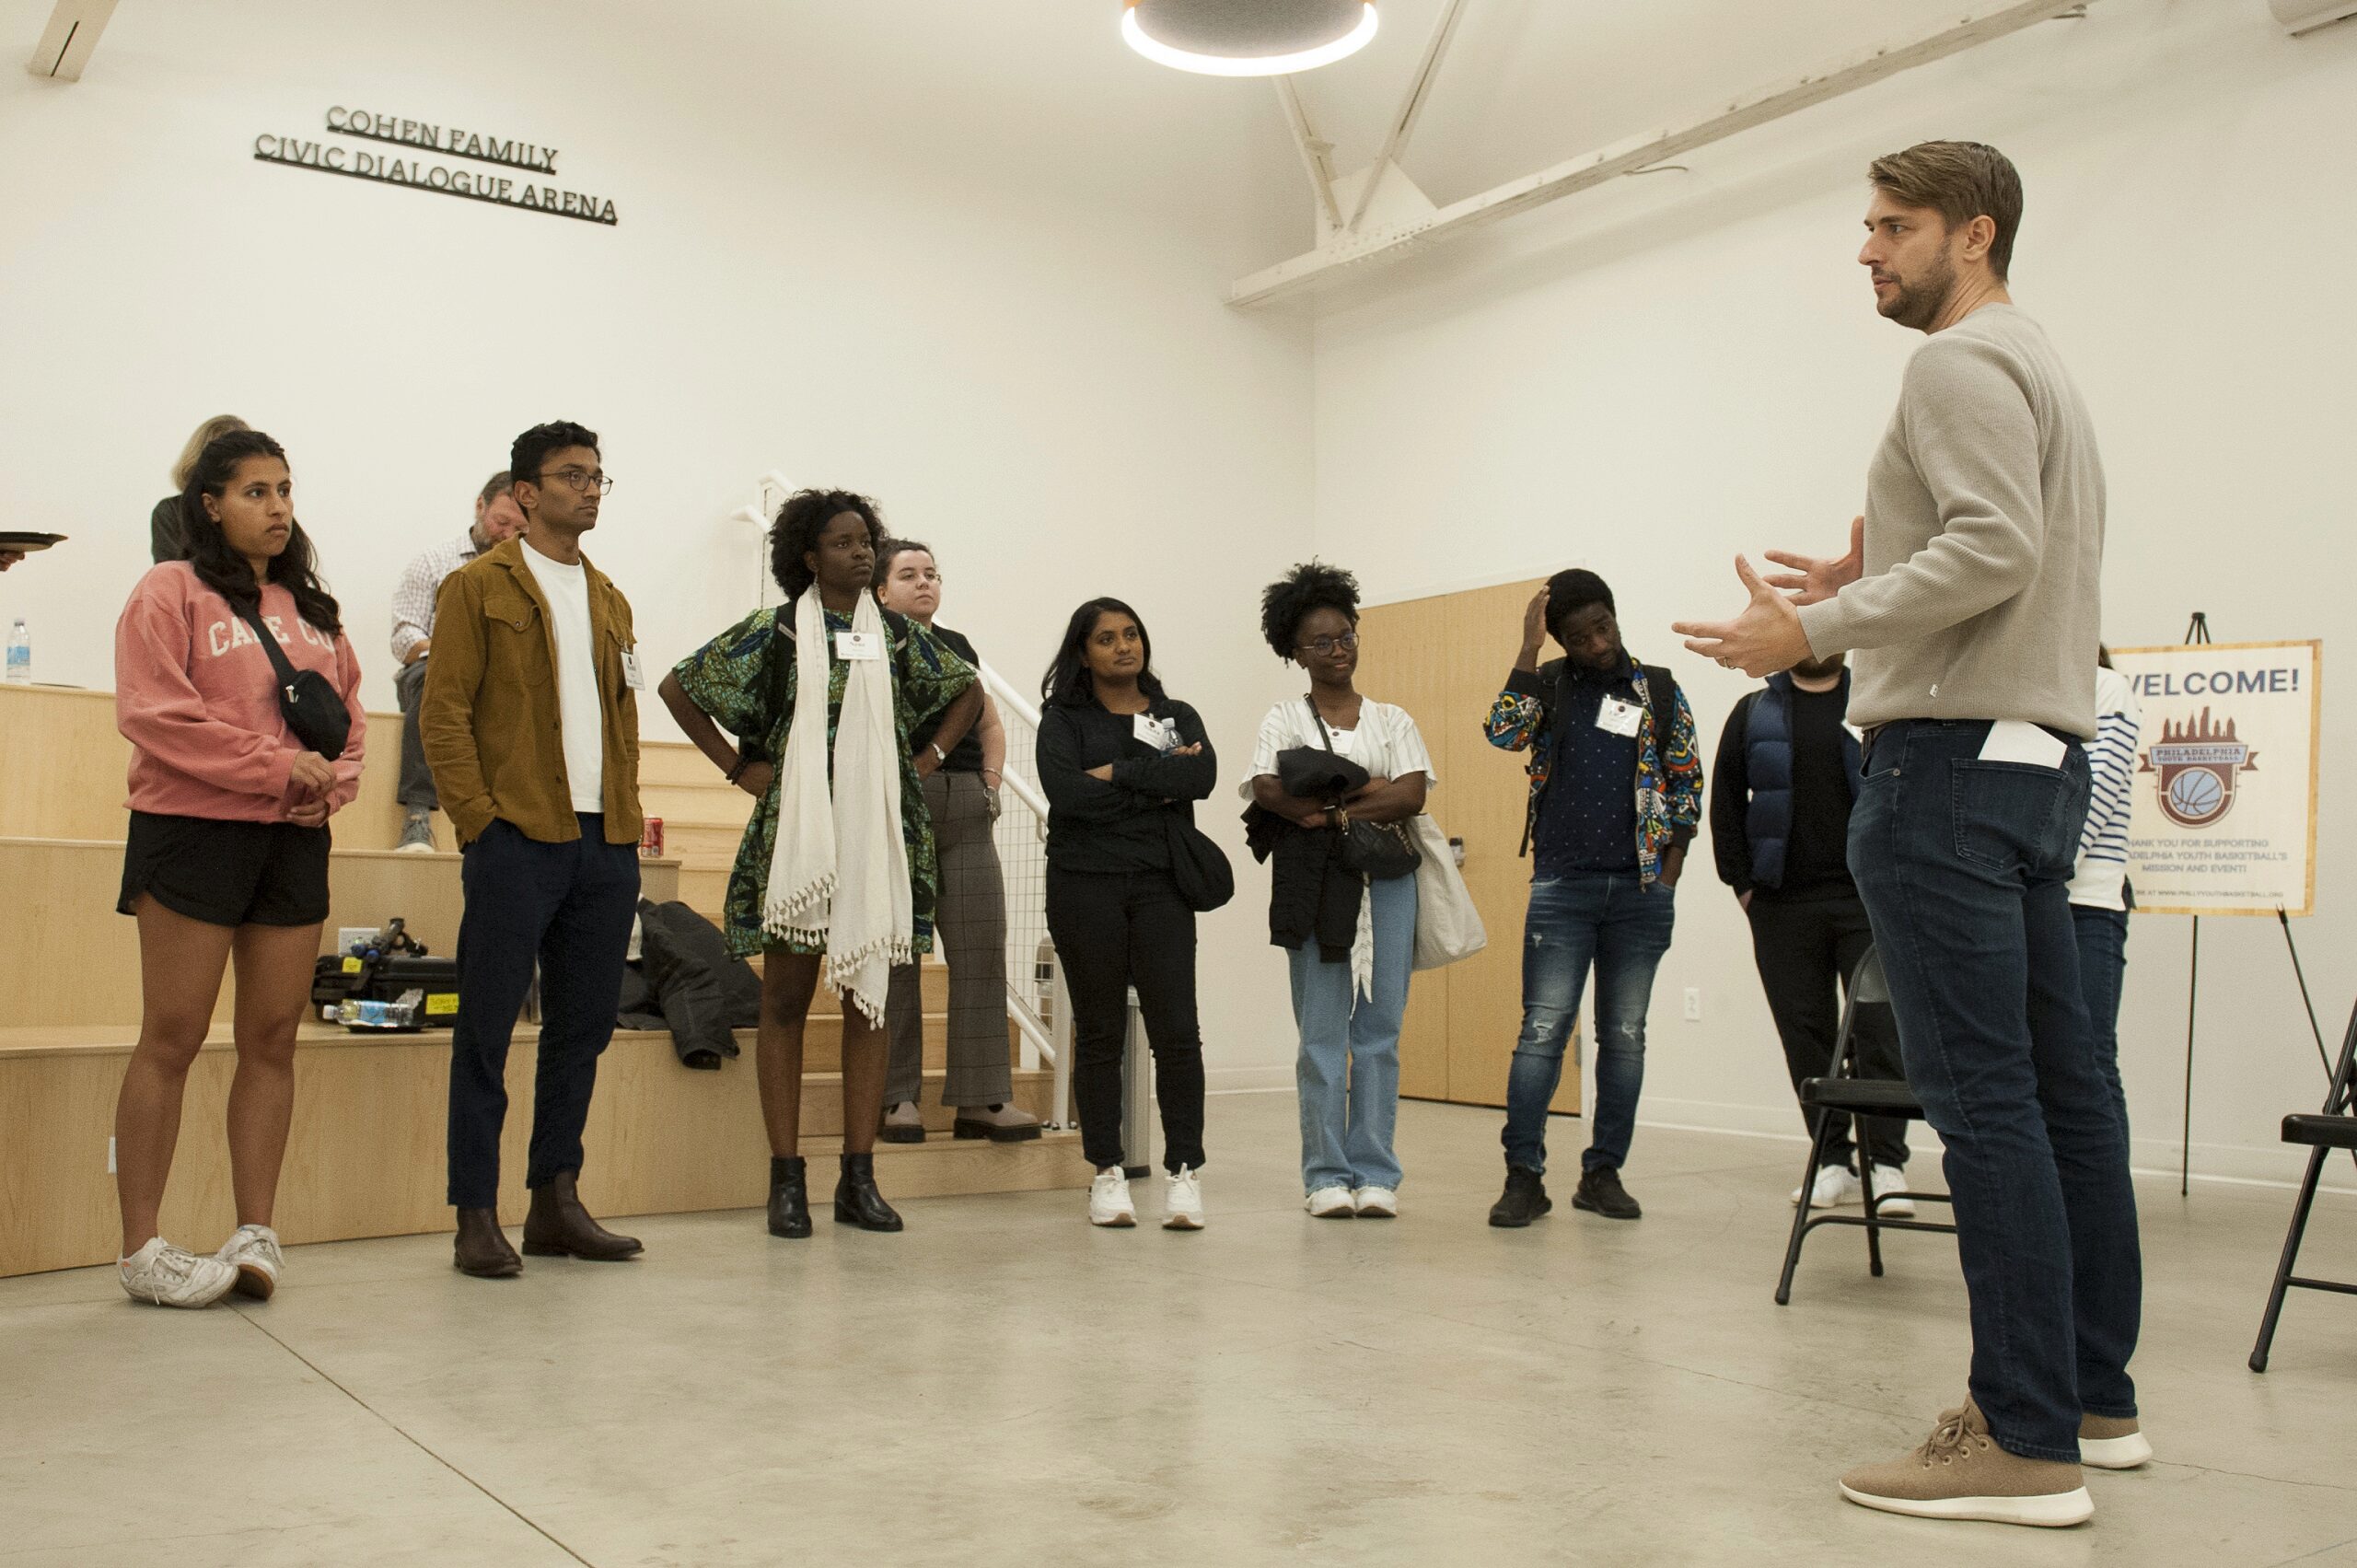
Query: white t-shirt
1385, 743
581, 719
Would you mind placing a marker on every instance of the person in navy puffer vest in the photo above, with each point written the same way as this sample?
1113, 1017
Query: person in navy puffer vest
1788, 770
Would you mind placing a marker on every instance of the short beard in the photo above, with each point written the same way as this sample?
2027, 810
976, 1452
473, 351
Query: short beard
1919, 304
1818, 669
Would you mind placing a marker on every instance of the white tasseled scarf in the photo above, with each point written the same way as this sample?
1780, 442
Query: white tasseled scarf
839, 874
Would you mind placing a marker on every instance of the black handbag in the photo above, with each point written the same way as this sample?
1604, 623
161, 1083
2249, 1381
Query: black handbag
312, 709
1380, 852
1198, 868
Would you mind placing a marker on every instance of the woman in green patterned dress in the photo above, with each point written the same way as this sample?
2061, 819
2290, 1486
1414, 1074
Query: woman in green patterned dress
836, 879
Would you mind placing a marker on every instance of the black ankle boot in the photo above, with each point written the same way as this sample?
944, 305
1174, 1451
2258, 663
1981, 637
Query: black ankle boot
789, 1199
857, 1200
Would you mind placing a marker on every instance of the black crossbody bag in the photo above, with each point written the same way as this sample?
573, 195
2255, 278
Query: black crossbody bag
1376, 851
308, 701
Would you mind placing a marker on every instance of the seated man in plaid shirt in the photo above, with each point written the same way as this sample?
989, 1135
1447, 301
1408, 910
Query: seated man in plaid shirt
496, 519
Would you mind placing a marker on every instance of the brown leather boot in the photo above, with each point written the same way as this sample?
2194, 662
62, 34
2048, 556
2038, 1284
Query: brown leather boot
482, 1247
558, 1226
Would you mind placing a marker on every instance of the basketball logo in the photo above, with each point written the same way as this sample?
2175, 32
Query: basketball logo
2196, 763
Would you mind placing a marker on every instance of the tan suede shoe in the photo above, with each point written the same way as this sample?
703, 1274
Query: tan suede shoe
2112, 1442
1961, 1473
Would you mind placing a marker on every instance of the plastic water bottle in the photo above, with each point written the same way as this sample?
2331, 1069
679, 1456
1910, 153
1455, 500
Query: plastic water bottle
21, 655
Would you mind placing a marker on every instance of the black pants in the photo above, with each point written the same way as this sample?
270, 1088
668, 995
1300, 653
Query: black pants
1112, 932
416, 788
1805, 950
569, 905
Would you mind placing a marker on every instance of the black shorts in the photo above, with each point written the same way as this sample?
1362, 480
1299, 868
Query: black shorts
227, 872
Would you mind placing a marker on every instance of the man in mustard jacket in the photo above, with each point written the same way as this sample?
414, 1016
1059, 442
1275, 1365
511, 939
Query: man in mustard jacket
529, 720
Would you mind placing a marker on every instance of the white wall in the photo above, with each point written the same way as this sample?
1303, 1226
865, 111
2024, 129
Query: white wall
1679, 368
966, 257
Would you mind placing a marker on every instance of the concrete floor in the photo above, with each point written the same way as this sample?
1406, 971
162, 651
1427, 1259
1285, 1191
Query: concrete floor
1003, 1385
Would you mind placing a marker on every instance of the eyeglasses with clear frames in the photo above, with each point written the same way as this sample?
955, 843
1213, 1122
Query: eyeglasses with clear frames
581, 482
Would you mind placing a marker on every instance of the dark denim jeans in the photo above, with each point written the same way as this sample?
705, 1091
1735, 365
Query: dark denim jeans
2103, 972
1621, 926
1963, 865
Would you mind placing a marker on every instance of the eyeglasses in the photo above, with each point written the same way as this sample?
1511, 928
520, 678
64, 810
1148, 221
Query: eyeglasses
1326, 647
582, 482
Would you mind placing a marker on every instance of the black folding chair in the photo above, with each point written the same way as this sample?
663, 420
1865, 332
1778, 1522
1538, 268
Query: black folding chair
2334, 1128
1845, 1091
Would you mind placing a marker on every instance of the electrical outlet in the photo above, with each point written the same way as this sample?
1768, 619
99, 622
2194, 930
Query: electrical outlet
110, 1157
345, 936
1693, 1004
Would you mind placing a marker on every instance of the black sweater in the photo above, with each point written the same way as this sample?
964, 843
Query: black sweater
1124, 825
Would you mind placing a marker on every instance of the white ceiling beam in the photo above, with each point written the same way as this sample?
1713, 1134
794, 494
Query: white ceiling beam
1636, 153
1314, 151
1403, 125
73, 33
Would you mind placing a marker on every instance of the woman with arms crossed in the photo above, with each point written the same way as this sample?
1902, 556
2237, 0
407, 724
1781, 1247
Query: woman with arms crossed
835, 879
226, 856
1120, 762
961, 797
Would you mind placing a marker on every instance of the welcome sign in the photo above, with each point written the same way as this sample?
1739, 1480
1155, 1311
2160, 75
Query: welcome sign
2225, 781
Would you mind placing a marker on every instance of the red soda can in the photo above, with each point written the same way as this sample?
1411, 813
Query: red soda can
650, 843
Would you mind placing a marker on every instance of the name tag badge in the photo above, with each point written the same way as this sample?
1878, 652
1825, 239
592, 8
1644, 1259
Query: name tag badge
856, 646
1160, 734
1617, 716
631, 678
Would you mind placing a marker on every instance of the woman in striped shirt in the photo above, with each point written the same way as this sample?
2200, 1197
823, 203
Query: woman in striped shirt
2100, 896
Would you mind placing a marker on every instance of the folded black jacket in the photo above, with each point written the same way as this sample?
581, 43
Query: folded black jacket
1311, 896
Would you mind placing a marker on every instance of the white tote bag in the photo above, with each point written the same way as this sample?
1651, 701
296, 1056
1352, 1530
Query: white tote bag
1447, 926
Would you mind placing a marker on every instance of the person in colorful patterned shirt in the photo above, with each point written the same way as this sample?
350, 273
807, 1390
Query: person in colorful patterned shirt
836, 879
1616, 795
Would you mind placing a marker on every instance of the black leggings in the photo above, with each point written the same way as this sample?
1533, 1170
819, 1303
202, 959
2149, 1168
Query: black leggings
1113, 931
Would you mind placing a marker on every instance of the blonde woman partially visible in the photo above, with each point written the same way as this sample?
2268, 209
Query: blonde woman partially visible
167, 533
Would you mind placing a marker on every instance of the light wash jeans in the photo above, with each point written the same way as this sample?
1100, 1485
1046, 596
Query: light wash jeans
1348, 1070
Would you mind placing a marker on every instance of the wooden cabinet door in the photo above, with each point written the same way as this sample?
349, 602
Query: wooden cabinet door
1399, 645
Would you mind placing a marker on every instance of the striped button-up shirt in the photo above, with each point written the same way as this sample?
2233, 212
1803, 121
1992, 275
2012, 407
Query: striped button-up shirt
413, 595
2111, 760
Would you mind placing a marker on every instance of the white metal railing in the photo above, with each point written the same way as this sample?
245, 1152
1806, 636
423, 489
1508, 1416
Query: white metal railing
1034, 990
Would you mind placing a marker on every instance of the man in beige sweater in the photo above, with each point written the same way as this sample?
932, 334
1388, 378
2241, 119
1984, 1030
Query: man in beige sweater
1970, 600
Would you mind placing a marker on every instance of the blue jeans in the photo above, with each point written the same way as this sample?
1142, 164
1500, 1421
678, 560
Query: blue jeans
1621, 926
1962, 867
2103, 972
1348, 1070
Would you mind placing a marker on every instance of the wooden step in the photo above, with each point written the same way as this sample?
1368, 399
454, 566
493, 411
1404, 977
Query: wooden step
668, 762
715, 800
71, 960
366, 1153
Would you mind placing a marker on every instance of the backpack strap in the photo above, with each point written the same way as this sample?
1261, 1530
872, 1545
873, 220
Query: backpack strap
1660, 687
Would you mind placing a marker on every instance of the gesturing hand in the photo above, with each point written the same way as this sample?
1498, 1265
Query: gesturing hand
1812, 580
1765, 638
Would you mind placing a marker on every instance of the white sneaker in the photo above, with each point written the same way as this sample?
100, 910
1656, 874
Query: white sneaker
173, 1276
1182, 1203
1376, 1204
417, 836
1834, 1185
1890, 1178
1329, 1203
1108, 1198
253, 1252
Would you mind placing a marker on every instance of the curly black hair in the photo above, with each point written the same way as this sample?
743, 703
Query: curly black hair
796, 532
529, 451
1310, 585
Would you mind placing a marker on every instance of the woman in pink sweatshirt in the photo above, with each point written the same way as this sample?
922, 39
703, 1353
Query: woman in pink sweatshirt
226, 856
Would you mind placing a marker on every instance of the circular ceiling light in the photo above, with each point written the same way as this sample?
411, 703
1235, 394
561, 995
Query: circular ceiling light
1248, 37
